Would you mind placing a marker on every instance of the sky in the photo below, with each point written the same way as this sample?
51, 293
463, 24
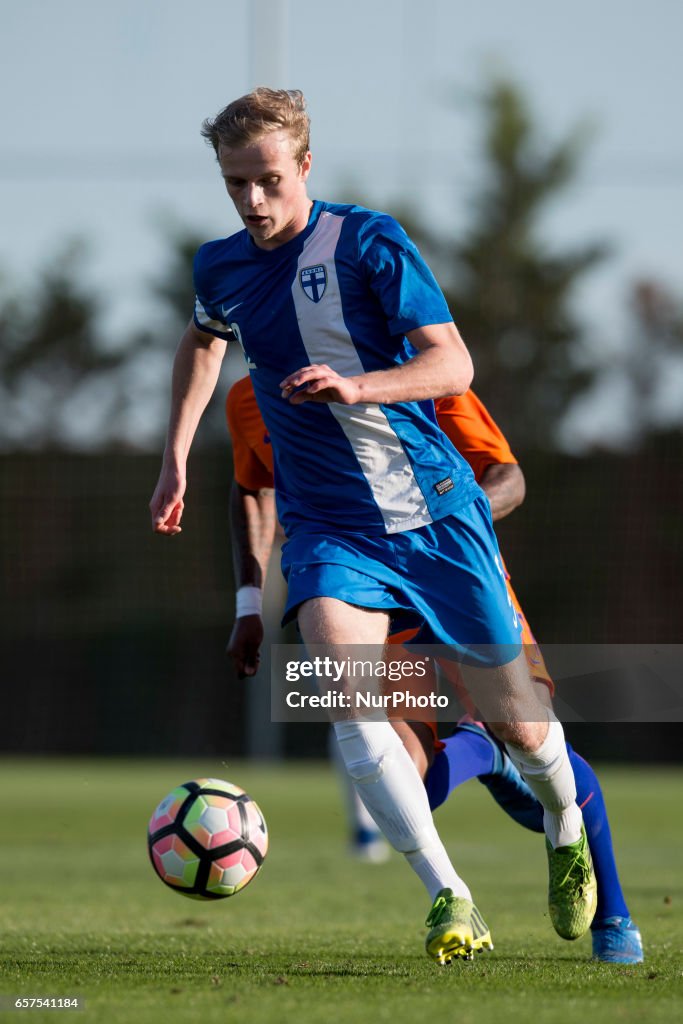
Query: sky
100, 136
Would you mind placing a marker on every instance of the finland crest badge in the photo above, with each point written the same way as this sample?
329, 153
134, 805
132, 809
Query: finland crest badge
314, 281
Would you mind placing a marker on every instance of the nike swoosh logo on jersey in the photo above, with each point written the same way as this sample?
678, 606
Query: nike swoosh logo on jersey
226, 312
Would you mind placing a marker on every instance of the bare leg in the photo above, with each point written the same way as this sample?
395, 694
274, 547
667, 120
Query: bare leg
509, 702
418, 739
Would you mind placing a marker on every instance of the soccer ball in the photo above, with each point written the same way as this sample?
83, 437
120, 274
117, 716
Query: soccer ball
207, 839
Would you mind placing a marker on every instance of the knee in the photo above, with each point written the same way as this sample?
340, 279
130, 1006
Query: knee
527, 736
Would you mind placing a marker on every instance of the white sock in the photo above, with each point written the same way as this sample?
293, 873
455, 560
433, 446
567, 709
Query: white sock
389, 785
549, 775
358, 816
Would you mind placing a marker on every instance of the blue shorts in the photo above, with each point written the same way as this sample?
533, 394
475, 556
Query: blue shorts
446, 579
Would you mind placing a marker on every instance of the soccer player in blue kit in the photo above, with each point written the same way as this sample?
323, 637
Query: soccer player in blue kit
348, 339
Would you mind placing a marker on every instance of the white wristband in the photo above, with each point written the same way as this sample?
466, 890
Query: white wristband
248, 601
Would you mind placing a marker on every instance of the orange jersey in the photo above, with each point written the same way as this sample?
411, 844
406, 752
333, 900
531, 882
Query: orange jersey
464, 419
469, 426
252, 451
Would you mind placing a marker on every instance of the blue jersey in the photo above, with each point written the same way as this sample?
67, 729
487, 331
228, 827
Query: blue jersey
343, 292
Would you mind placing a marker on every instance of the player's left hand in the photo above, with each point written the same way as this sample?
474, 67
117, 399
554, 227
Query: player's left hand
245, 644
319, 383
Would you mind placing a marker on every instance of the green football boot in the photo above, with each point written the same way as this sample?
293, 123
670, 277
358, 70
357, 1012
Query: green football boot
456, 929
572, 890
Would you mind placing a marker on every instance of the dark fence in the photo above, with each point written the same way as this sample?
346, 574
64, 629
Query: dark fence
115, 638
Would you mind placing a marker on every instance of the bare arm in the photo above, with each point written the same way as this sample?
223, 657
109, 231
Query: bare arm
504, 486
195, 372
442, 366
252, 523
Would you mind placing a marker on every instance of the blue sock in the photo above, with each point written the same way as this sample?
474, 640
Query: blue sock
471, 753
611, 902
466, 755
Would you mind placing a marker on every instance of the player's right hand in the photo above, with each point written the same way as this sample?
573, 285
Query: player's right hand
319, 383
167, 503
245, 644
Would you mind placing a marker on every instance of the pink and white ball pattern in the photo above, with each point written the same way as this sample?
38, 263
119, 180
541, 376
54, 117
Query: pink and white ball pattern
207, 839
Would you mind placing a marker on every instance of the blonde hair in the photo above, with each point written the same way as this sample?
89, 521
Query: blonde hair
260, 112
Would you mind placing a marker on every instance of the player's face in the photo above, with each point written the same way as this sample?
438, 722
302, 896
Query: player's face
268, 188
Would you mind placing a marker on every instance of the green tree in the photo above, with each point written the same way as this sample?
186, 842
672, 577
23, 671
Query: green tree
510, 292
63, 385
56, 372
653, 361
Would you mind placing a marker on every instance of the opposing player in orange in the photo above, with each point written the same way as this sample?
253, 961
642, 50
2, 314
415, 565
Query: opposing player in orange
471, 751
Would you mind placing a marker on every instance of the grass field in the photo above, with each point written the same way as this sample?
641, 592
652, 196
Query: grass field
316, 937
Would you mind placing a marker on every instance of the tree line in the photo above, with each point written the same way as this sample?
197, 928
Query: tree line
514, 296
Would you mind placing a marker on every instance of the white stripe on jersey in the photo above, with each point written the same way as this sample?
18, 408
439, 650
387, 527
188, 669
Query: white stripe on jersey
375, 443
206, 321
